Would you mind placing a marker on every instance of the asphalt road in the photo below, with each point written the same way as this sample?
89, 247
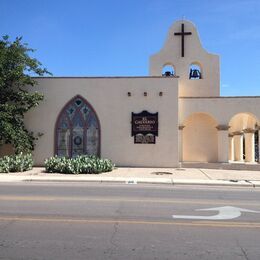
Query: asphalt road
111, 221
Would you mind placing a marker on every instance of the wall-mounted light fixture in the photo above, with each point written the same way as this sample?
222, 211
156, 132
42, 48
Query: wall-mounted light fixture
129, 94
145, 94
160, 93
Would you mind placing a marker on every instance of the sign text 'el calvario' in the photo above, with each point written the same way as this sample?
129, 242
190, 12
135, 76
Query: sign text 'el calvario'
144, 127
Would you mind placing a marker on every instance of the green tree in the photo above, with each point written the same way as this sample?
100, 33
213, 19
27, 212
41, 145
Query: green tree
16, 71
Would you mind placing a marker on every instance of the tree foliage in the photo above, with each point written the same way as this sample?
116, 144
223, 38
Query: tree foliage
16, 71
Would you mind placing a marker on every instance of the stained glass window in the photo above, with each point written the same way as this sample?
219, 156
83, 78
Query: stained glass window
77, 130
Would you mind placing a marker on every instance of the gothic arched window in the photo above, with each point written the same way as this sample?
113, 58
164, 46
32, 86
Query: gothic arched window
77, 129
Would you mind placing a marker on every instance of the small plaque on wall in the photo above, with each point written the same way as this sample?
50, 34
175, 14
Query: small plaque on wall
144, 127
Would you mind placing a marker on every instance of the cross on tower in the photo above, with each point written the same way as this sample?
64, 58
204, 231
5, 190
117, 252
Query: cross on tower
182, 34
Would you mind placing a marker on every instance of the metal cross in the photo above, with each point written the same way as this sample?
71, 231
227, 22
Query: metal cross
182, 34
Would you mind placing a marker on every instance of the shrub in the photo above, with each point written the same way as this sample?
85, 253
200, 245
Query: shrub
79, 164
16, 163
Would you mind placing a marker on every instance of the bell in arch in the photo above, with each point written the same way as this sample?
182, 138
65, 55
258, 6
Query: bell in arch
168, 71
195, 72
168, 74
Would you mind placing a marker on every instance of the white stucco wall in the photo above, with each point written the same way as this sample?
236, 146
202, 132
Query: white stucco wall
109, 98
209, 85
222, 109
200, 139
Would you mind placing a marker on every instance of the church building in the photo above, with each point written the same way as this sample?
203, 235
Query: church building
174, 116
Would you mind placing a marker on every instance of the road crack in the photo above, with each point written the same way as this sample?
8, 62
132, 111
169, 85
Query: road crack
242, 250
208, 176
114, 245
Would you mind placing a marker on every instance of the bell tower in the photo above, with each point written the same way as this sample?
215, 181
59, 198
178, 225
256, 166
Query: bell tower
197, 70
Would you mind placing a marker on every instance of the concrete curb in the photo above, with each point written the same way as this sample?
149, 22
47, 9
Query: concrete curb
169, 181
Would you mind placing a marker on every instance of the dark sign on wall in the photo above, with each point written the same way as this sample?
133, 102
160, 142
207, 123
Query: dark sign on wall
144, 127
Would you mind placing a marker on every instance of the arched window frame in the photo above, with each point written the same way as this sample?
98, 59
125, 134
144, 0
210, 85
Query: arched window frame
64, 112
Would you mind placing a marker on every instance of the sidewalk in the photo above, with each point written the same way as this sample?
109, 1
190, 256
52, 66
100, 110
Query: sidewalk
173, 176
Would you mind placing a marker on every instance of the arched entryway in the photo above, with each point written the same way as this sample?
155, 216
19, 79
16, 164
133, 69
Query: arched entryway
200, 139
243, 138
77, 129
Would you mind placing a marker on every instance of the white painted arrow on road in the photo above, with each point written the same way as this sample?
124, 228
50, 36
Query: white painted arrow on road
226, 212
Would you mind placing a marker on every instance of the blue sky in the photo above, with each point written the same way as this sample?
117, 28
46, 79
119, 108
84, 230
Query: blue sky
116, 38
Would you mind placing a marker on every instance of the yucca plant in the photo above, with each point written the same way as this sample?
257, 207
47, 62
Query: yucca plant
16, 163
80, 164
